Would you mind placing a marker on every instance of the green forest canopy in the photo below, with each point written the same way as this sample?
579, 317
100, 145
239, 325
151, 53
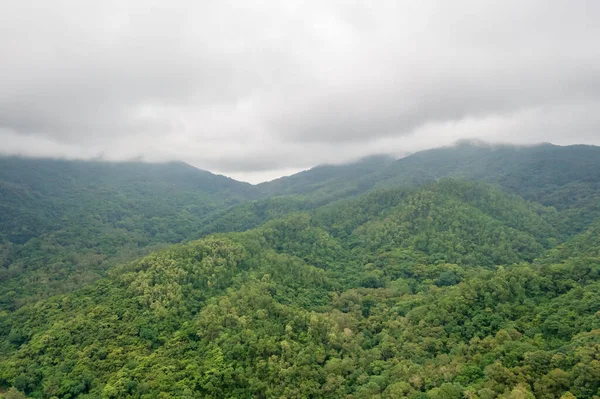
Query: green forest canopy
451, 290
64, 223
440, 288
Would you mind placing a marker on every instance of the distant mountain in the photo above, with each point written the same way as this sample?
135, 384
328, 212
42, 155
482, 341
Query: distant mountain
526, 170
64, 220
45, 191
567, 178
324, 181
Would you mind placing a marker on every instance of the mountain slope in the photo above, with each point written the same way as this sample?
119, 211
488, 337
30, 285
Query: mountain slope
323, 182
567, 178
534, 172
308, 306
62, 222
56, 188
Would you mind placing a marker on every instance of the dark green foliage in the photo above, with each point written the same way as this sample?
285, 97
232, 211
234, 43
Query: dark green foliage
454, 290
441, 288
251, 214
328, 181
567, 178
62, 223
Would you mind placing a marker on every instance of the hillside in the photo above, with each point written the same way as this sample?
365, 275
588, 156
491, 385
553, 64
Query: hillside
449, 291
62, 222
567, 178
326, 182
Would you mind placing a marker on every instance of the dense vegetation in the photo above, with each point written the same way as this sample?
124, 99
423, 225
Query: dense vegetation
62, 223
567, 178
450, 291
380, 279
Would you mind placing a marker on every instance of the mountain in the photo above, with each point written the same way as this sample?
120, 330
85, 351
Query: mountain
325, 182
63, 222
456, 289
40, 191
567, 178
535, 172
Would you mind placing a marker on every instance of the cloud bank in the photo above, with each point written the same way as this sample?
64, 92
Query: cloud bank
257, 89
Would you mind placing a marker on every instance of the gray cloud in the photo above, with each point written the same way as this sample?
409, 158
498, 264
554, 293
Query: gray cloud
256, 89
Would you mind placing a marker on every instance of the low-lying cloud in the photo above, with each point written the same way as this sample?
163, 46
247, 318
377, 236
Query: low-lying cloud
256, 89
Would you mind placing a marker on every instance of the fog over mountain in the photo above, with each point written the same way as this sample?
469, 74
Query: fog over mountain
257, 89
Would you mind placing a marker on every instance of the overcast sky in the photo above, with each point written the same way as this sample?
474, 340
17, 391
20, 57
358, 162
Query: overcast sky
259, 89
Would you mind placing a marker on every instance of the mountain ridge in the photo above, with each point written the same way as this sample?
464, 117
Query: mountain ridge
62, 224
465, 143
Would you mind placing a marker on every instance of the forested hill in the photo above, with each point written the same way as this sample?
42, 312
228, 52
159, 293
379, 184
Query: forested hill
326, 181
563, 177
450, 291
62, 221
36, 194
566, 177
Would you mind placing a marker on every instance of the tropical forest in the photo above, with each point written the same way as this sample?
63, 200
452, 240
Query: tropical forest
467, 271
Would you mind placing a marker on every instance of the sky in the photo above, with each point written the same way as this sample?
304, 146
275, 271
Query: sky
260, 89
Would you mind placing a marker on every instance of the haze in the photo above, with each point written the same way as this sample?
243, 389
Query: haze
259, 89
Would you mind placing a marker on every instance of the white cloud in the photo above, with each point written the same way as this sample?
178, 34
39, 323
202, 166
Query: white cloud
256, 89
